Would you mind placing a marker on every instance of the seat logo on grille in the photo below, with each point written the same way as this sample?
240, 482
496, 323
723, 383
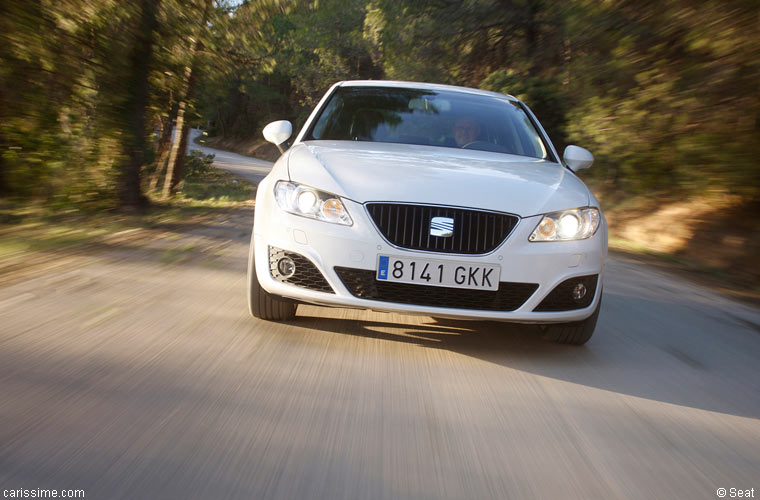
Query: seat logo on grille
442, 226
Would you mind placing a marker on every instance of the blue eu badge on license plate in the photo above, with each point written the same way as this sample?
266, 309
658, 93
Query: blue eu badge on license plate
382, 268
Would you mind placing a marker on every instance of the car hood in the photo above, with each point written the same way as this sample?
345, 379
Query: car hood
364, 171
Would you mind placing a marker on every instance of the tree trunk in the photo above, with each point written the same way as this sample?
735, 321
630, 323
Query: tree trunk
174, 169
136, 102
532, 29
176, 142
162, 151
4, 188
179, 163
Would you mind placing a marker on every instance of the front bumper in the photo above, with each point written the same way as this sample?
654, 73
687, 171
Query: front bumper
330, 246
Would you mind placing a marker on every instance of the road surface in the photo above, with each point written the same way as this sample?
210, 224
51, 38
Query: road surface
136, 372
249, 168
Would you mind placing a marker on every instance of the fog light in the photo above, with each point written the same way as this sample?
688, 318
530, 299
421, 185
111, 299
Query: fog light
578, 292
287, 267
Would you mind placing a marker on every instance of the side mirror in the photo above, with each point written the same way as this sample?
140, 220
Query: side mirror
577, 158
278, 132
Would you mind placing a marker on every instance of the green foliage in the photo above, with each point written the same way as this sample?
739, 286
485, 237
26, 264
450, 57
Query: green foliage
210, 186
73, 106
53, 142
286, 55
545, 97
666, 95
198, 164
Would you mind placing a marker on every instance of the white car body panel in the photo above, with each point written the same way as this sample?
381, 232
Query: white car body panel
360, 172
371, 171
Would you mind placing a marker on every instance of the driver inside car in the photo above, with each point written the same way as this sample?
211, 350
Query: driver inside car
466, 131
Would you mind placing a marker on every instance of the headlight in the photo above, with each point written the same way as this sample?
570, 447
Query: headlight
310, 202
576, 224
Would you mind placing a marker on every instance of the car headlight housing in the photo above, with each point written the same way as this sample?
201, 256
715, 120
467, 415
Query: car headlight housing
575, 224
309, 202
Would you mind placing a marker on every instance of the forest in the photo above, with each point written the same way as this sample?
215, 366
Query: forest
666, 94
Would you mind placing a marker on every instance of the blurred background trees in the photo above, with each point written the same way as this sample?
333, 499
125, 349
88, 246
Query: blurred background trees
89, 93
665, 94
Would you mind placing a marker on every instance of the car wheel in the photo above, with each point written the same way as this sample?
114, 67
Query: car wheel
575, 333
262, 304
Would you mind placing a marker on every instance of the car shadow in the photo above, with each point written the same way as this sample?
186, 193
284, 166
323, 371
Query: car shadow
640, 357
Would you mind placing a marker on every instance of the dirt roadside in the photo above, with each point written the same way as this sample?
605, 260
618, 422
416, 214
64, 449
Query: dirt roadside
200, 239
712, 239
194, 225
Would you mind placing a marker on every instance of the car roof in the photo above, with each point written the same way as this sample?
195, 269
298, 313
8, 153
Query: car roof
427, 86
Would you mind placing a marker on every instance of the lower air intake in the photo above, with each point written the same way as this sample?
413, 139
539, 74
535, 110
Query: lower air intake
362, 284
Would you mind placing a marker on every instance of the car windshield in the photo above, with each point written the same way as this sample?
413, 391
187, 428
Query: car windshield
428, 117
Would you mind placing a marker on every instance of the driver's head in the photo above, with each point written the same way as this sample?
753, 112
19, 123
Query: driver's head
466, 130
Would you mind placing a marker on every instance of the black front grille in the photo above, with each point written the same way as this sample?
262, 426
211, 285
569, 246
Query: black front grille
561, 298
306, 276
408, 226
362, 283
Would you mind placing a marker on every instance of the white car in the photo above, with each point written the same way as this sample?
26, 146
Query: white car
428, 199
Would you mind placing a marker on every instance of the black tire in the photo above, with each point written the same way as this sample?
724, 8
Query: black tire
575, 333
262, 304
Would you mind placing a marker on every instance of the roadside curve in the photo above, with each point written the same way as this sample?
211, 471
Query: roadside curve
249, 168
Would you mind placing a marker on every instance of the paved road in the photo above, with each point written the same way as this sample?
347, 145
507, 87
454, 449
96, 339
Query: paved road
249, 168
135, 372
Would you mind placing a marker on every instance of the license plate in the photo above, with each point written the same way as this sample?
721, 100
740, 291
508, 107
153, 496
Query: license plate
446, 273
